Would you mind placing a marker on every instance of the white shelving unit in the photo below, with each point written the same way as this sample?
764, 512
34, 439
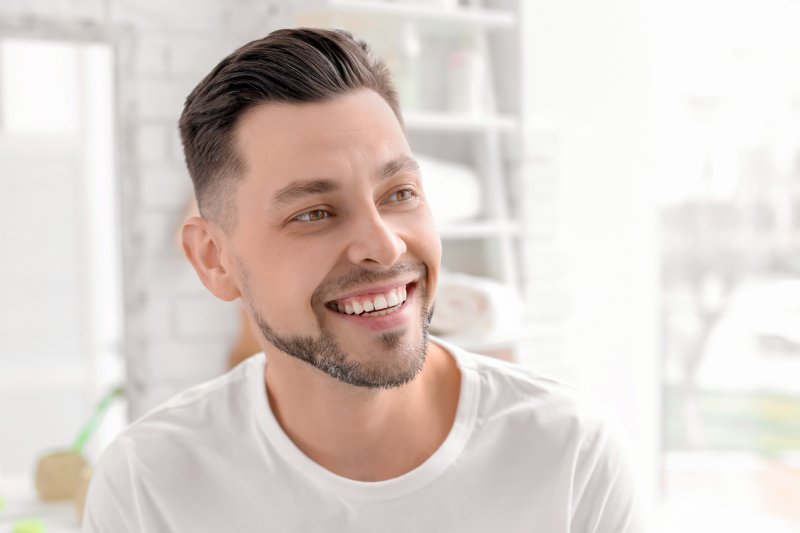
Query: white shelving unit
478, 136
473, 14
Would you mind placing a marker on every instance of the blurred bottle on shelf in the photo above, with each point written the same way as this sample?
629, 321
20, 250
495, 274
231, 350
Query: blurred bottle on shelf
466, 82
407, 67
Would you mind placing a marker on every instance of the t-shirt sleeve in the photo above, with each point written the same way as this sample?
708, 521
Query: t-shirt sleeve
604, 490
111, 503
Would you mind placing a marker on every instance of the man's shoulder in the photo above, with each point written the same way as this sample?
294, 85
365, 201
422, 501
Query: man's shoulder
512, 389
214, 406
513, 378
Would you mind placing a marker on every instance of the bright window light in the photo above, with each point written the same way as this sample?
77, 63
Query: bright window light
39, 88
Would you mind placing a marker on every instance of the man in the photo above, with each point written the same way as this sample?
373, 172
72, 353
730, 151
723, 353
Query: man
313, 213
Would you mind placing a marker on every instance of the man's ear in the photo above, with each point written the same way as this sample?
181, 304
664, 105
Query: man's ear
205, 253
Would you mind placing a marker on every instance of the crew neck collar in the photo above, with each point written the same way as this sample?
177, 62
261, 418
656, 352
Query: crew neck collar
395, 487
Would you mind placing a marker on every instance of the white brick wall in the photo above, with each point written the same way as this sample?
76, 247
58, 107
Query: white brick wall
55, 9
162, 98
152, 54
153, 142
177, 334
193, 56
201, 318
164, 186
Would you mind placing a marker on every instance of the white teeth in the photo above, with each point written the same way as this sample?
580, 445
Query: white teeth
392, 300
384, 312
380, 302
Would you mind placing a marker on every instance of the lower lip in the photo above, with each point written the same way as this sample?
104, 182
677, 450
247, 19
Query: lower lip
393, 320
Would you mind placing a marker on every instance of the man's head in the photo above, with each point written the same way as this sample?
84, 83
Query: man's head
290, 66
313, 207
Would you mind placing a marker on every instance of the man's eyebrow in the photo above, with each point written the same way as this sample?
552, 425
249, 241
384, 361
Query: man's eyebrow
401, 164
300, 189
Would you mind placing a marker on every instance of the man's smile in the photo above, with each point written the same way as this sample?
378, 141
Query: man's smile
377, 310
372, 301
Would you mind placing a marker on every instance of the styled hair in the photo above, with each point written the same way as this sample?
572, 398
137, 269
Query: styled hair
296, 65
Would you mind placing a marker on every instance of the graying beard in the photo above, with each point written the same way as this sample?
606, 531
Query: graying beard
326, 355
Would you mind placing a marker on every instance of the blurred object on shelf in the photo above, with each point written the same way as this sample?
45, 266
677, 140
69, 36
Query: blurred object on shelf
476, 308
65, 474
453, 190
57, 475
406, 72
466, 81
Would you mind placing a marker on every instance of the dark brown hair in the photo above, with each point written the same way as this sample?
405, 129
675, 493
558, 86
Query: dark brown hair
291, 66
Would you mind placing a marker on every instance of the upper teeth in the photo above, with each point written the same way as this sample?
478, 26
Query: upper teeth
375, 302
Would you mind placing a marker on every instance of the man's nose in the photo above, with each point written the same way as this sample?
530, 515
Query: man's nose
374, 241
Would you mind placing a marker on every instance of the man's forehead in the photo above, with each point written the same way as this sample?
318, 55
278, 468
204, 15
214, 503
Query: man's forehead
354, 132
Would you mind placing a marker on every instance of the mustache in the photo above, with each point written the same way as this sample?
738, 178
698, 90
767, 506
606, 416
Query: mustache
363, 276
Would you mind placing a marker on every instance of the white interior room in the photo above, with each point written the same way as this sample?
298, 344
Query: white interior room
616, 186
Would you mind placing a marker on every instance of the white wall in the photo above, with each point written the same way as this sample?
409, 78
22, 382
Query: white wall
588, 109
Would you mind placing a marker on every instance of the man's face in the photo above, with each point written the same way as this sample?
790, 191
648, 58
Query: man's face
335, 251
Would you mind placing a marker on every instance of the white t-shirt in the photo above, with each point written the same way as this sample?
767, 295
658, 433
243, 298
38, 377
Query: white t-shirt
525, 453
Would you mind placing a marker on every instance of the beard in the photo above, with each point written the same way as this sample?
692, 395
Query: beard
325, 353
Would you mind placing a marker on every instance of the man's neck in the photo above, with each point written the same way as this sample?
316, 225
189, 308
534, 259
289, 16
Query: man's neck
365, 434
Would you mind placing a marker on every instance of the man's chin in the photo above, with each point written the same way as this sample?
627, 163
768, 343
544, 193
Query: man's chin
390, 360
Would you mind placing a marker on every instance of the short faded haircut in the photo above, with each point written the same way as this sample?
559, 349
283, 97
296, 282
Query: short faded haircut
297, 65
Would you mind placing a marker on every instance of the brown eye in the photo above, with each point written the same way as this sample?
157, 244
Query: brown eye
403, 195
312, 216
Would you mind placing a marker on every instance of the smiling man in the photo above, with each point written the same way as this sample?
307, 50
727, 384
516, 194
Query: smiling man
313, 213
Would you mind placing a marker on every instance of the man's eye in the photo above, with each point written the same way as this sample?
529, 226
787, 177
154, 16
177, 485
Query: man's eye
403, 195
312, 216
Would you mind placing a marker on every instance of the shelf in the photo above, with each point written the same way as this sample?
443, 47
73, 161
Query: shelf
440, 121
478, 229
487, 18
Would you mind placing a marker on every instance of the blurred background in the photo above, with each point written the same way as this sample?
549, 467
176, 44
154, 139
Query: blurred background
616, 184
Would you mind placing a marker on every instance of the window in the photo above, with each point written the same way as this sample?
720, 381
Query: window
60, 273
730, 183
